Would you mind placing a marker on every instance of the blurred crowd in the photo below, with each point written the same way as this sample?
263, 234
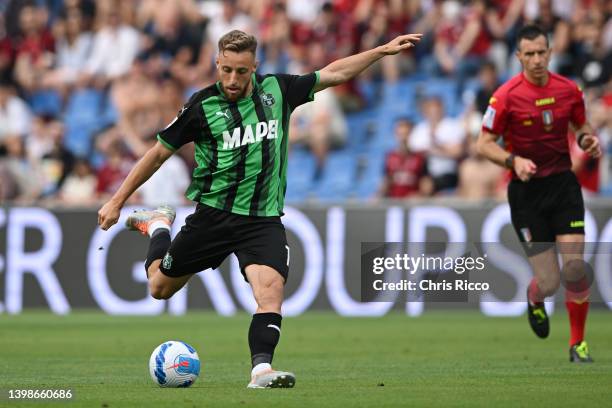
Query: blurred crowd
86, 84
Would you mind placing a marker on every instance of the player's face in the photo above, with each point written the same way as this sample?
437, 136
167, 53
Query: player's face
534, 56
235, 70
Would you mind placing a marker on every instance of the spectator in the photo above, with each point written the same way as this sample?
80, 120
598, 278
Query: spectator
441, 139
15, 115
74, 46
274, 52
479, 178
488, 83
321, 126
79, 188
172, 178
594, 62
23, 182
114, 171
40, 138
58, 162
34, 47
171, 42
462, 41
404, 169
6, 52
107, 60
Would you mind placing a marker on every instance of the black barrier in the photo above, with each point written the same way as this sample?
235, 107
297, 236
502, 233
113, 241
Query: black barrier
60, 259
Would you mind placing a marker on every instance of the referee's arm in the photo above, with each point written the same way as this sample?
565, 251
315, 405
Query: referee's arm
587, 141
487, 146
141, 172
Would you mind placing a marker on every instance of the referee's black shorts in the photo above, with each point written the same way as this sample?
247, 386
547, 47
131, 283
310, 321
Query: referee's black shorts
210, 235
545, 207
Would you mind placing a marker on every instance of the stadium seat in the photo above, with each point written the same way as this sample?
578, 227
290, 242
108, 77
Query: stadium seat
46, 102
338, 177
371, 175
300, 174
83, 119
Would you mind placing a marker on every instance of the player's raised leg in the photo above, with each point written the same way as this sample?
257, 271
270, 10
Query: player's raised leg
265, 329
545, 283
157, 224
577, 291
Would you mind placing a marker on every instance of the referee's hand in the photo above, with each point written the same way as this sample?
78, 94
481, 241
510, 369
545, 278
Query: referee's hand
590, 144
524, 168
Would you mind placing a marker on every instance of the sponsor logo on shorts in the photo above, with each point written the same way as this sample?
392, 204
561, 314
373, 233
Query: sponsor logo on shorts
577, 224
167, 261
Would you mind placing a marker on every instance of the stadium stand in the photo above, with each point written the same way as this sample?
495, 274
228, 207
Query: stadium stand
176, 44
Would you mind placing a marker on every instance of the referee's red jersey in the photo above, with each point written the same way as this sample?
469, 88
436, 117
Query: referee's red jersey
534, 120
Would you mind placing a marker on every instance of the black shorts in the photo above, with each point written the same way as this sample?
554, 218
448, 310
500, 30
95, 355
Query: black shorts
210, 235
543, 208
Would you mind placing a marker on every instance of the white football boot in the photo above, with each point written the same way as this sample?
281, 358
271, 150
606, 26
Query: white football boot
270, 378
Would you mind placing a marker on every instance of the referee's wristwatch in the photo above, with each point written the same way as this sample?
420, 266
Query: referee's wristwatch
509, 162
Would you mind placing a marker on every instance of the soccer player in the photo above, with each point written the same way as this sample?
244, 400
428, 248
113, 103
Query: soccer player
533, 111
239, 127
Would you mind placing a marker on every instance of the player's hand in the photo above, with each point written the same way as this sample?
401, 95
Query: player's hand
401, 43
109, 215
590, 144
524, 168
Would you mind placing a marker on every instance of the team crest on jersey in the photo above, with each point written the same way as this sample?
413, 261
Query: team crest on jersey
547, 119
268, 99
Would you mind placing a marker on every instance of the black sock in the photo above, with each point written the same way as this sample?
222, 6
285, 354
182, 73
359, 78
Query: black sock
264, 334
159, 244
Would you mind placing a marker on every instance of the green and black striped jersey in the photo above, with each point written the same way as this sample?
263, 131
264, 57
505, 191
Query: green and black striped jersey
241, 146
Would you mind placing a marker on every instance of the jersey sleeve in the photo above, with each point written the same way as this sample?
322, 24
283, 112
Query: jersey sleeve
184, 128
298, 89
578, 115
495, 119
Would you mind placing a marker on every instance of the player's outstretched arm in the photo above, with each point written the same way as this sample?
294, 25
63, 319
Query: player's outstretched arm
344, 69
141, 172
487, 146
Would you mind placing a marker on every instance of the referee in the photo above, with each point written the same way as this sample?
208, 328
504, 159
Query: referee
239, 128
533, 112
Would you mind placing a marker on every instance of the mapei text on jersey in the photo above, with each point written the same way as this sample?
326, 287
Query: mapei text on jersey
254, 133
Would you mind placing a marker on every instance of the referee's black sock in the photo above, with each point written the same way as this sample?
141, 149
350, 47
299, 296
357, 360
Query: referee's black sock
264, 334
159, 244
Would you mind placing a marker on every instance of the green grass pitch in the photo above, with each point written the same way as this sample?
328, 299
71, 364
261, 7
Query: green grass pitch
438, 359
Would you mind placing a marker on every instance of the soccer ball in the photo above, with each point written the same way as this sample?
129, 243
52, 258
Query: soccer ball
174, 364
